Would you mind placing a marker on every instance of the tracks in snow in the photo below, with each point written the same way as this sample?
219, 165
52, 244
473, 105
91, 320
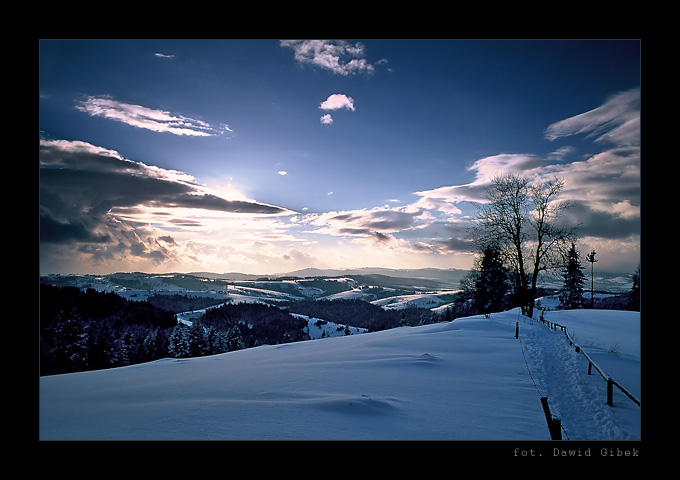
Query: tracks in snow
576, 398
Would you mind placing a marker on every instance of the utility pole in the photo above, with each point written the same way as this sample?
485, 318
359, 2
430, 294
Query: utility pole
591, 258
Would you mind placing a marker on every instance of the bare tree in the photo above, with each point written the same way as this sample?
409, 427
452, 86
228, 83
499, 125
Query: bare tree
521, 218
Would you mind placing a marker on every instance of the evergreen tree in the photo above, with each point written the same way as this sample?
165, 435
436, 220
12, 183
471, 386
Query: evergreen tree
152, 347
491, 284
571, 294
125, 349
212, 340
635, 291
178, 346
101, 345
235, 339
68, 350
198, 345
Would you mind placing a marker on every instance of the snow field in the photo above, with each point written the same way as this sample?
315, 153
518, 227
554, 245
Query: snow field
460, 380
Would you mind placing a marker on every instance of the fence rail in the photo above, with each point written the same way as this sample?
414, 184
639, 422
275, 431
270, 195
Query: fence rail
610, 381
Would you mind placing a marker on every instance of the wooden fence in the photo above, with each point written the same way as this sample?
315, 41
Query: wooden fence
610, 381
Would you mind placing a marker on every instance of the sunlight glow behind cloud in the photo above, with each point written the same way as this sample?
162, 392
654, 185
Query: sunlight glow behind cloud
110, 209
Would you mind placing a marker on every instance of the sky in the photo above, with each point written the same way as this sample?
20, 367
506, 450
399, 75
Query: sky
268, 156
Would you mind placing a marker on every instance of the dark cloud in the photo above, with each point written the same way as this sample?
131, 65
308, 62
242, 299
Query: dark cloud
455, 244
53, 231
595, 223
361, 222
85, 192
96, 180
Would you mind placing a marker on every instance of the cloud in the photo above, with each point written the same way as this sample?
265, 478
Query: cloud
94, 178
283, 173
602, 224
484, 169
326, 119
96, 202
617, 121
337, 56
146, 118
337, 101
376, 223
603, 187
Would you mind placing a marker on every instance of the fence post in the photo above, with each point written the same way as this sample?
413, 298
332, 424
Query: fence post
554, 424
556, 433
610, 392
590, 368
516, 330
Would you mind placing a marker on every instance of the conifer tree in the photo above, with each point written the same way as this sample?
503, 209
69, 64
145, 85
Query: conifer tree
198, 345
178, 346
125, 349
152, 346
235, 339
68, 350
571, 294
491, 284
635, 291
101, 345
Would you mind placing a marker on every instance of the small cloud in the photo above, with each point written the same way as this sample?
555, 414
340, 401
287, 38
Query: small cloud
330, 193
337, 101
163, 55
560, 153
228, 128
282, 173
337, 56
326, 119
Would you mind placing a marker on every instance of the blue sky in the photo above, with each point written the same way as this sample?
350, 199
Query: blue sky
266, 156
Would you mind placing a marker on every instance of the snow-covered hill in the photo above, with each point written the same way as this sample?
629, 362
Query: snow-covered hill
469, 379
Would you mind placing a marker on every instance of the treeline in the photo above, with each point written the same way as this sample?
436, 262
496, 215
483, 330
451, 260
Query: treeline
358, 313
253, 324
84, 330
90, 330
177, 303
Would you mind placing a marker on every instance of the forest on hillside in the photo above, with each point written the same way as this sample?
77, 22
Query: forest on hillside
358, 313
89, 330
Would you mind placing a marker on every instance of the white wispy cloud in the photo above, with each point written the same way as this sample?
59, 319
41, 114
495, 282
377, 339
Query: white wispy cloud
326, 119
337, 56
617, 121
146, 118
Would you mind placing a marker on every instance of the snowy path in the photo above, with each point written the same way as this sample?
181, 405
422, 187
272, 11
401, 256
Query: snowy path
576, 398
